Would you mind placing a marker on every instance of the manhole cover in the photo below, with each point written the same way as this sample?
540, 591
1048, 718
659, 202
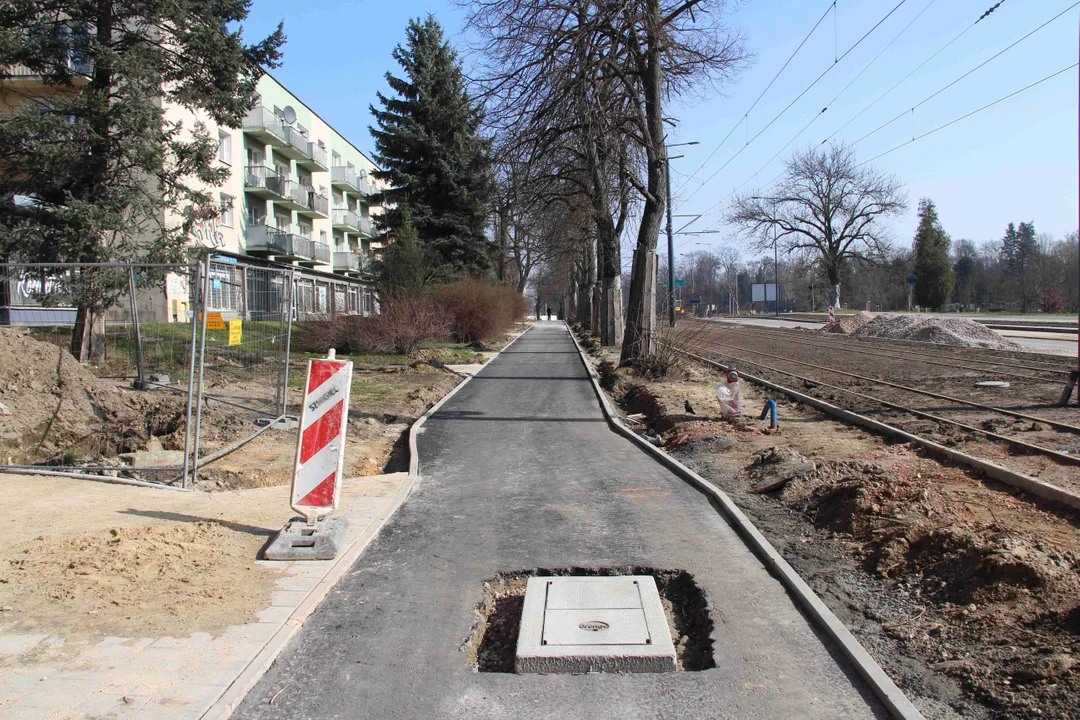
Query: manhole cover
593, 624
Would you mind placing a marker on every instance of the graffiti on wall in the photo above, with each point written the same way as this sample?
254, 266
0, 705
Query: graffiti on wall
207, 231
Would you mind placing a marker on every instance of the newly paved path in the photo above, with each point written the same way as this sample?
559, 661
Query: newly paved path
521, 471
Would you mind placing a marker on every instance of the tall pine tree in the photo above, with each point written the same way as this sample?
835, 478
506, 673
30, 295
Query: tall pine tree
90, 149
1018, 252
428, 144
933, 269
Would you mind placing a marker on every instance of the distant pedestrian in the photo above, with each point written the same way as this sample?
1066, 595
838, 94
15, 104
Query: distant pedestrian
549, 313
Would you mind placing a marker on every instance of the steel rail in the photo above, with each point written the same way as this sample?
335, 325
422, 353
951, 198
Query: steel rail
1062, 457
915, 357
1054, 423
881, 342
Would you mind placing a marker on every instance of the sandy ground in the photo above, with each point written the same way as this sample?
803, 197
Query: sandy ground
967, 592
101, 559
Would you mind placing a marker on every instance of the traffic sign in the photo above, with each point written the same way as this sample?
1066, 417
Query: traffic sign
911, 279
695, 300
320, 448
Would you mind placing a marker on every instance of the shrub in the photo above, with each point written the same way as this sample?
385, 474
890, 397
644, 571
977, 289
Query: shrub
404, 323
480, 310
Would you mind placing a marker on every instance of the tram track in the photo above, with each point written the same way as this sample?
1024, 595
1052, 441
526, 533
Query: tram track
1027, 436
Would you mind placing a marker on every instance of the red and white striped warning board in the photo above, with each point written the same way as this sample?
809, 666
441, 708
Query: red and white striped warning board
320, 450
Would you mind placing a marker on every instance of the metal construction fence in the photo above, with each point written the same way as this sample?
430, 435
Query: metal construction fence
204, 345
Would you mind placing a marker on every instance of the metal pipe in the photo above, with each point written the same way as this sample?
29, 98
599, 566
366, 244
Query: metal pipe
197, 287
202, 366
84, 476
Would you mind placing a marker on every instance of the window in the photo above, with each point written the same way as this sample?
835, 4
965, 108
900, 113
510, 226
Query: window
226, 216
322, 237
255, 158
336, 158
224, 147
305, 230
257, 213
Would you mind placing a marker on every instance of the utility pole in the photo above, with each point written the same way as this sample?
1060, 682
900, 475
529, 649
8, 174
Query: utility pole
670, 248
671, 233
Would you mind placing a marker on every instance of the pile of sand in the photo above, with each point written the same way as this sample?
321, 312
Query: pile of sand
847, 324
957, 332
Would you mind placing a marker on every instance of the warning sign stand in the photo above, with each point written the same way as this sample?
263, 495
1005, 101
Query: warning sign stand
320, 456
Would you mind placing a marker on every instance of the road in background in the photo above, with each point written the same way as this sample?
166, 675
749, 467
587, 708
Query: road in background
1042, 342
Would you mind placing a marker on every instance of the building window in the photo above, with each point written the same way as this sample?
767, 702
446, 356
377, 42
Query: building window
226, 210
336, 161
224, 147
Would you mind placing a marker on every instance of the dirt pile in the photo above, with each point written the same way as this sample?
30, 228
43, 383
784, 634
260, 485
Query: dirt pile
151, 580
847, 324
958, 332
56, 404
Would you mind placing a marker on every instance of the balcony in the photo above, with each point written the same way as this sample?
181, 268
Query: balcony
296, 144
345, 178
77, 64
315, 159
280, 244
294, 196
264, 182
319, 253
264, 125
348, 263
366, 226
366, 187
318, 206
346, 220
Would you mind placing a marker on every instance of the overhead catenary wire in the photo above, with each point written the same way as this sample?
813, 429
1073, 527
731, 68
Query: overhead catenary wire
919, 67
973, 112
996, 55
715, 208
796, 99
742, 118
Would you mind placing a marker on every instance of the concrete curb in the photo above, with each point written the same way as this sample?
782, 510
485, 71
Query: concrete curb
886, 690
231, 698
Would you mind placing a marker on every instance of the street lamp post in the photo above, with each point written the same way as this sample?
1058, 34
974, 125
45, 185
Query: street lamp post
671, 234
776, 260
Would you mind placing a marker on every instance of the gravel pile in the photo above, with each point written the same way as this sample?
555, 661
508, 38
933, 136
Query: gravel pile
942, 331
847, 324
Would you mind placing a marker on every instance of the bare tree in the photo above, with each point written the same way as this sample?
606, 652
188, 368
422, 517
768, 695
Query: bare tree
826, 205
587, 80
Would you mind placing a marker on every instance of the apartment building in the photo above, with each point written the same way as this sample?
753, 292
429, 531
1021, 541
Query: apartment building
298, 193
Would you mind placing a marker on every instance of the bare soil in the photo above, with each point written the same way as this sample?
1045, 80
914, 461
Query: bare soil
59, 412
965, 591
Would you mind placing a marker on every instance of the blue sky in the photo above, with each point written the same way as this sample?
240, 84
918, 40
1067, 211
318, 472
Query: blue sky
1013, 162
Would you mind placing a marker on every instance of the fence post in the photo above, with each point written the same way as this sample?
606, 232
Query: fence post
205, 295
287, 341
195, 287
140, 380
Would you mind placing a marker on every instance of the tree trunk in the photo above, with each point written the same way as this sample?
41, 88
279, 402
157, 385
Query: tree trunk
585, 295
641, 310
88, 335
502, 240
833, 271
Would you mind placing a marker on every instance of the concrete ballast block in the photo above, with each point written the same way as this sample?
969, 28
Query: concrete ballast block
300, 541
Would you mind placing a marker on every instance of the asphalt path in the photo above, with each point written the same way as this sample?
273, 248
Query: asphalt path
519, 470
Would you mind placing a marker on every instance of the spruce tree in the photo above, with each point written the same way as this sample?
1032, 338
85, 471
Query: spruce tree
1018, 252
933, 270
427, 142
90, 151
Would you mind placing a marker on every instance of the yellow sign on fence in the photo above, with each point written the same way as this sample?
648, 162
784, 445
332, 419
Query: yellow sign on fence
235, 330
213, 321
